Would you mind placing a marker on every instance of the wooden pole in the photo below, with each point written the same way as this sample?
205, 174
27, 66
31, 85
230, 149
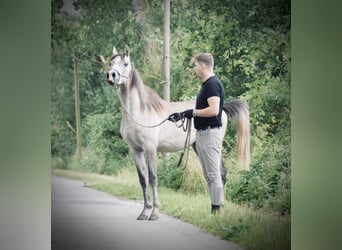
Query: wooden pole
167, 50
78, 113
166, 57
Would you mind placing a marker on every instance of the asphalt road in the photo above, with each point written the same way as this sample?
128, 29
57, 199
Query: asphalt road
83, 218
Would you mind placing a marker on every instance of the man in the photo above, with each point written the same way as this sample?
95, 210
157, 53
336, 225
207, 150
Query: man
208, 123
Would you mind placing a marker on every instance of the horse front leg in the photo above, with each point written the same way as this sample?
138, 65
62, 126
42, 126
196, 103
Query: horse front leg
139, 159
152, 173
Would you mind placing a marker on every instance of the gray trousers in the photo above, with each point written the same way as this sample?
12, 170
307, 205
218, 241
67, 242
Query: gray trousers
208, 146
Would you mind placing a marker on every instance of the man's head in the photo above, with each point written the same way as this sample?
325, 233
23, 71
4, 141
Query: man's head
203, 65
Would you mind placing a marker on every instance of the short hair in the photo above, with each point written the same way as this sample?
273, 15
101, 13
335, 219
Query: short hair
205, 58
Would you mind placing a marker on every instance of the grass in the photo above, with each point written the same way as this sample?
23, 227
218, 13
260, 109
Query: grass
252, 229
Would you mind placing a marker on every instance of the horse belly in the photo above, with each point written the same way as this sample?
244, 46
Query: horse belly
170, 147
141, 139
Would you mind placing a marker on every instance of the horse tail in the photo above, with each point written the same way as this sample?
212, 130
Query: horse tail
238, 111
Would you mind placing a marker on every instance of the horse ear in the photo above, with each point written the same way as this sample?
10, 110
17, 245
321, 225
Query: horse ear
126, 50
114, 51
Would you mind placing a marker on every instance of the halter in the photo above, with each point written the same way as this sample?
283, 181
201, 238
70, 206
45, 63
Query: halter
118, 78
118, 73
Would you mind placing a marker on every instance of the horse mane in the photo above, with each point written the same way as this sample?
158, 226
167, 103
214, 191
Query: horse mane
149, 99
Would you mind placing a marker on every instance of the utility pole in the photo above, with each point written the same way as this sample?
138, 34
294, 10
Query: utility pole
166, 56
78, 113
167, 50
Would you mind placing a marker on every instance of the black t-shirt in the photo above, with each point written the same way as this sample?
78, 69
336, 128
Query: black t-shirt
211, 87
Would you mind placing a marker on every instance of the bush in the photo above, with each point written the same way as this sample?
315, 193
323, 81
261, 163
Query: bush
63, 143
169, 174
57, 162
187, 177
268, 183
193, 179
105, 151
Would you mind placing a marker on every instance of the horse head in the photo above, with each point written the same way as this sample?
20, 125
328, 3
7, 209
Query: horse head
120, 68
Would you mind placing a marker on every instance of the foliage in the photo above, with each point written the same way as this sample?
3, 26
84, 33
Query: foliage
268, 183
182, 174
105, 150
169, 174
250, 41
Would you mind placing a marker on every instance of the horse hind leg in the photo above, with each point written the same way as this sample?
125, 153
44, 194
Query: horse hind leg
223, 173
139, 159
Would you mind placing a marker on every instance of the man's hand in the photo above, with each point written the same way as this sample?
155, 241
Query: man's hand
189, 113
175, 117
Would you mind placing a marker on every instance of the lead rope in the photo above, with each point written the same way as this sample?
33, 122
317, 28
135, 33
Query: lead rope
187, 142
142, 125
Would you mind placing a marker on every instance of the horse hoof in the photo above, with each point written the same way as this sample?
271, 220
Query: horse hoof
154, 217
142, 217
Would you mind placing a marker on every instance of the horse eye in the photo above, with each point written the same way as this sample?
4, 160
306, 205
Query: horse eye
125, 64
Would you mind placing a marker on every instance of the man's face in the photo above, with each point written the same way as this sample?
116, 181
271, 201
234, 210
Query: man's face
198, 69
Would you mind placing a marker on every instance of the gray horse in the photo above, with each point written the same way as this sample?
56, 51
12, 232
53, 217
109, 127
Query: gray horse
142, 109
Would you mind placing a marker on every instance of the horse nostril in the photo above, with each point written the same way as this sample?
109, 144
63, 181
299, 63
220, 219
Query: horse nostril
113, 76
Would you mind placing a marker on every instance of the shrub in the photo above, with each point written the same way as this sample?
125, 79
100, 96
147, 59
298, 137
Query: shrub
57, 162
187, 177
193, 180
268, 183
169, 174
105, 151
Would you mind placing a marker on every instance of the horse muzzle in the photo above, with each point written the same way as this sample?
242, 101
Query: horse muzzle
113, 78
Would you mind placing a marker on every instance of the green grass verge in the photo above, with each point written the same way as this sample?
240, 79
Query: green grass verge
252, 229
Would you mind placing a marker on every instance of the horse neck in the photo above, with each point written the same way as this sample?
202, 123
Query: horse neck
130, 102
138, 97
131, 93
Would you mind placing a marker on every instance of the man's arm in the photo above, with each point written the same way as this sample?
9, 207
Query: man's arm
212, 110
